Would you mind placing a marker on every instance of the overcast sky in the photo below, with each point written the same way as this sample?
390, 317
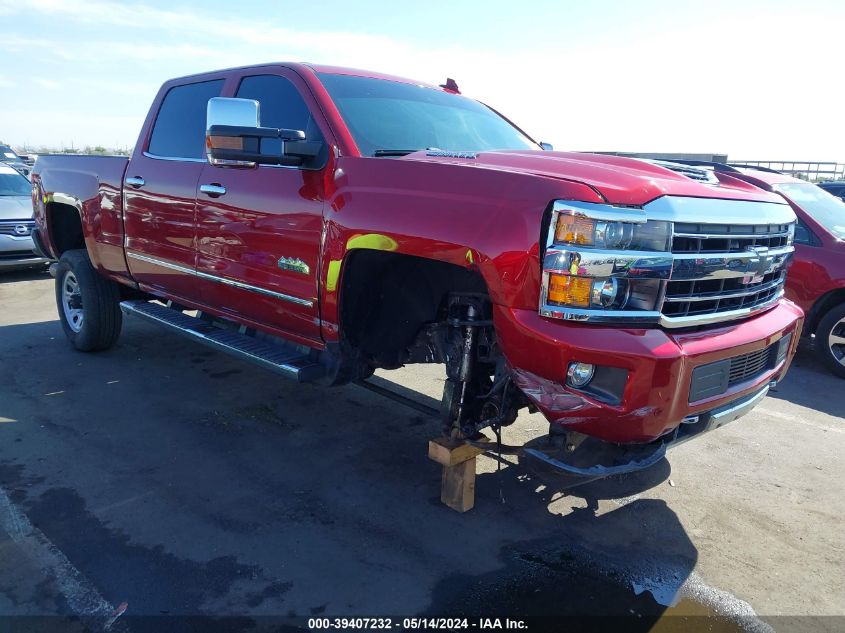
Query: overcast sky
758, 81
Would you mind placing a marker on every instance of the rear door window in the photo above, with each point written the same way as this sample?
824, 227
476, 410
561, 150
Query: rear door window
179, 130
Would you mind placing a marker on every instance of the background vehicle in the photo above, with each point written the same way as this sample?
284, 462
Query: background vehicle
816, 280
834, 187
331, 238
9, 157
16, 247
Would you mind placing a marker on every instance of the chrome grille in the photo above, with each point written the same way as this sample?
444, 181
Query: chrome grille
689, 298
12, 255
725, 268
727, 238
8, 227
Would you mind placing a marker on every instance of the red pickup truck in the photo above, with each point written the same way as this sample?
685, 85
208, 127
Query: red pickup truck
325, 222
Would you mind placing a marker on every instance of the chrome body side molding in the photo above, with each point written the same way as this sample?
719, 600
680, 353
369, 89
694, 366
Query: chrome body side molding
222, 280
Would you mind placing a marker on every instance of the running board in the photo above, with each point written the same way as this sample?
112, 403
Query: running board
290, 363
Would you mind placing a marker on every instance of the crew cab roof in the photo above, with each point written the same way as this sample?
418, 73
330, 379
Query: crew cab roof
300, 66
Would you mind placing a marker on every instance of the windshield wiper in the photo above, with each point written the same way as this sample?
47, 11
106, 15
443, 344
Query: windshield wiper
394, 152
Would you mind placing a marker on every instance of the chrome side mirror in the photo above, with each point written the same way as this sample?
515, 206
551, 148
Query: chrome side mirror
223, 112
234, 137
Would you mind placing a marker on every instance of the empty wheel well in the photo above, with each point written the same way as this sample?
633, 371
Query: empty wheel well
386, 299
65, 227
821, 307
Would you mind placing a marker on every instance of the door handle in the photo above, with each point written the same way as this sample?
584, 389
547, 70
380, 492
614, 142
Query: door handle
213, 190
135, 181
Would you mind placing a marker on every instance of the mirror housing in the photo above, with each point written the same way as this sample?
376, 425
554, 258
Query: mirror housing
548, 147
234, 137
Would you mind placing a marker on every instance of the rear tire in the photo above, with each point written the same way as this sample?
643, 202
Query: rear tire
88, 303
830, 330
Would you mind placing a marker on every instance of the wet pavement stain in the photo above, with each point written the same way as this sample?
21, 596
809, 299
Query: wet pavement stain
566, 596
153, 581
15, 482
616, 571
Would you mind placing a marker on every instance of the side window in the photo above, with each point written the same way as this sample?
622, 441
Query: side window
803, 235
281, 104
179, 130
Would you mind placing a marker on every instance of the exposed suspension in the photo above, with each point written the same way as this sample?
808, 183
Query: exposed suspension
478, 392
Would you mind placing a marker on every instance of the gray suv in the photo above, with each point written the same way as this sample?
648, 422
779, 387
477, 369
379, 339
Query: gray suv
17, 249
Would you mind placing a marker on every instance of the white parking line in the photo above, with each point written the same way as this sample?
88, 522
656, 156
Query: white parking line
793, 418
82, 597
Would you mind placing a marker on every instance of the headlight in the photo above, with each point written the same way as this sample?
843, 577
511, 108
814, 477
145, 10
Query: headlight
604, 262
574, 228
605, 293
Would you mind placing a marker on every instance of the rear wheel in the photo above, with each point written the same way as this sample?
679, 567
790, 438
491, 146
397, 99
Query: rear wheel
88, 303
830, 340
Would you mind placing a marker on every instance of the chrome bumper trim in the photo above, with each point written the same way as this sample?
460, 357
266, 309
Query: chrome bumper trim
736, 410
649, 317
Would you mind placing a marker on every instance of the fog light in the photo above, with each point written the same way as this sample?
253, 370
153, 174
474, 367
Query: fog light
579, 374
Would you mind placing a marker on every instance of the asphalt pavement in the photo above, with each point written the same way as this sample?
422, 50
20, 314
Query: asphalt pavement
158, 481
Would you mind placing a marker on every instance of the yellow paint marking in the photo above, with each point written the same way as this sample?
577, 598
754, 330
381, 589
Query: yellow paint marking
373, 241
332, 275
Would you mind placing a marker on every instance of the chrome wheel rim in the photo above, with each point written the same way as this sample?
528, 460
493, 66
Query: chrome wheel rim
836, 341
72, 301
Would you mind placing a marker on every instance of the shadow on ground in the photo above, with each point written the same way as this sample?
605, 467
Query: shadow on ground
815, 388
186, 483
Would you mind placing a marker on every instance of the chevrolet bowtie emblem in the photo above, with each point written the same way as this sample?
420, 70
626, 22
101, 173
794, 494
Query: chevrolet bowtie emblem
758, 266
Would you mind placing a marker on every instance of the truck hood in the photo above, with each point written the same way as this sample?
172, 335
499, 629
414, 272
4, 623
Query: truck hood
15, 208
623, 181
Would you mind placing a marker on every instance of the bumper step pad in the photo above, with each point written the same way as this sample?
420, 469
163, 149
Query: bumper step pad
287, 361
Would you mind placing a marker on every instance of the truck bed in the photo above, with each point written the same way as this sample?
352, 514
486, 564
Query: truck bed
93, 185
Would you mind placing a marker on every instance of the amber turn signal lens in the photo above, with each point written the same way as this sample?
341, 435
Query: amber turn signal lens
225, 142
569, 290
574, 229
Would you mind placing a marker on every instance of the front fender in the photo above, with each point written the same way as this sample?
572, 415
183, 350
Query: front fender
483, 220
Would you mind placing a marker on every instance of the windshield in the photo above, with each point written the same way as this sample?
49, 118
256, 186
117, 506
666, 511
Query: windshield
824, 208
385, 115
7, 152
14, 185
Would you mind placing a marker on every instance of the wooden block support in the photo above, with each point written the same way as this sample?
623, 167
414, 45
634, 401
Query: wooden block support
457, 488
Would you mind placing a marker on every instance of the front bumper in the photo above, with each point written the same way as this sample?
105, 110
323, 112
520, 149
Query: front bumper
660, 366
18, 252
